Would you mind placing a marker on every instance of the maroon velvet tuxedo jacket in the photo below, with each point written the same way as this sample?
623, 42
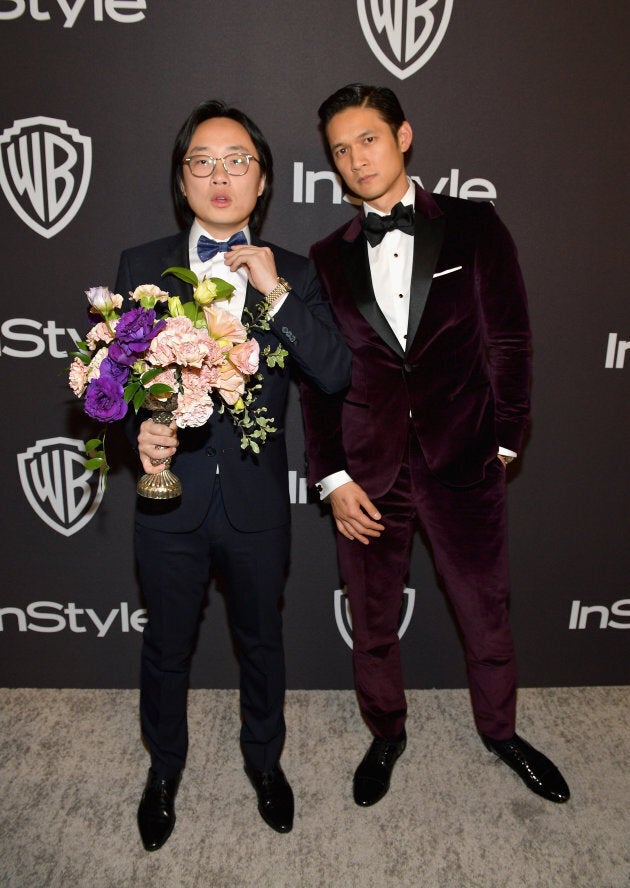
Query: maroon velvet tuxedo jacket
463, 379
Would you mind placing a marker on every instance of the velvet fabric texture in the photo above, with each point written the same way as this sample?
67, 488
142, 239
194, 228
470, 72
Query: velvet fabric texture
465, 373
419, 430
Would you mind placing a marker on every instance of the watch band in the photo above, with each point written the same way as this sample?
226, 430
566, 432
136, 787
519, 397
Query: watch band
279, 290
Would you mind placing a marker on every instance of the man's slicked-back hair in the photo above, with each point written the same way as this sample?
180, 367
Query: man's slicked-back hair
206, 111
359, 95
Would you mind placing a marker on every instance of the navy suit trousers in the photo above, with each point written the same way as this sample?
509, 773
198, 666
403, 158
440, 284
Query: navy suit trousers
175, 570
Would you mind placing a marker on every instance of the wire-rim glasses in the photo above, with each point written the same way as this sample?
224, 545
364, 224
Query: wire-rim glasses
202, 165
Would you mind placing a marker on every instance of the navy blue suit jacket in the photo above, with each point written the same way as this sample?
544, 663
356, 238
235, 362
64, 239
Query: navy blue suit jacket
254, 488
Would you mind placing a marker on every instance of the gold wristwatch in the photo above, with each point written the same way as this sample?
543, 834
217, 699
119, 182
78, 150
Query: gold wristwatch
279, 290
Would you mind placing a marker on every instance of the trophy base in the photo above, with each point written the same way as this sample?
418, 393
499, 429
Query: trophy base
162, 486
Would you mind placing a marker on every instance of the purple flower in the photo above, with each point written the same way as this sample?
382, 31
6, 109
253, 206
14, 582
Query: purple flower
134, 332
118, 372
104, 399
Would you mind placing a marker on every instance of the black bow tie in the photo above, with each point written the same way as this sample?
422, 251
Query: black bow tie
207, 249
376, 227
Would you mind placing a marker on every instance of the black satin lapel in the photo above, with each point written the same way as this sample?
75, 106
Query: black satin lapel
428, 237
357, 270
177, 257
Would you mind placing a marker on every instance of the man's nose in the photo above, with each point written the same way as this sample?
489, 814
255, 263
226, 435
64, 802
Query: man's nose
218, 173
357, 158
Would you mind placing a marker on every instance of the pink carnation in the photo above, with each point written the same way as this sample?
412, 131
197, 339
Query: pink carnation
193, 410
148, 290
200, 379
78, 377
100, 333
166, 377
94, 368
223, 325
180, 342
245, 356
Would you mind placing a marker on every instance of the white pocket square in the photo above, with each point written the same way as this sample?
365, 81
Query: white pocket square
448, 271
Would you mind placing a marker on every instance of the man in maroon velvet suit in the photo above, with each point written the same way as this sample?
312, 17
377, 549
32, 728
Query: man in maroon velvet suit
428, 295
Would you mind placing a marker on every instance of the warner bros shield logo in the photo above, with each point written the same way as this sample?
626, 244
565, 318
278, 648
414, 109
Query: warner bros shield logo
62, 492
404, 34
45, 168
344, 617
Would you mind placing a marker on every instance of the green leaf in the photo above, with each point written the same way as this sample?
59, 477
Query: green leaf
224, 290
184, 274
160, 388
190, 311
150, 374
92, 464
138, 399
93, 444
130, 390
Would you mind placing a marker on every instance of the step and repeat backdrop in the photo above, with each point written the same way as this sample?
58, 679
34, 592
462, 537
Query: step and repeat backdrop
520, 103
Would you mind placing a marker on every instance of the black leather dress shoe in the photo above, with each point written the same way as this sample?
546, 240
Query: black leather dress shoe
372, 777
535, 769
156, 813
275, 797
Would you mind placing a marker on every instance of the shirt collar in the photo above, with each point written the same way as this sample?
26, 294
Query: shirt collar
408, 199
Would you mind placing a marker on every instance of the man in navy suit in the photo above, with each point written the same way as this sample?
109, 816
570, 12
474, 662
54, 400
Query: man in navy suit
233, 515
428, 295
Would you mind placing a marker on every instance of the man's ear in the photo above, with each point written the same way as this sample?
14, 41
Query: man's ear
404, 136
261, 184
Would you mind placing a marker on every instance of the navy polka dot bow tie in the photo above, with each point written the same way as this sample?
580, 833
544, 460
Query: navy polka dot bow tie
376, 227
207, 248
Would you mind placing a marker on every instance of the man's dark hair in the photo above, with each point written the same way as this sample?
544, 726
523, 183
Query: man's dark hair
206, 111
359, 95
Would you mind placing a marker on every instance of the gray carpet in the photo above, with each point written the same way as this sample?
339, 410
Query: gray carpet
72, 769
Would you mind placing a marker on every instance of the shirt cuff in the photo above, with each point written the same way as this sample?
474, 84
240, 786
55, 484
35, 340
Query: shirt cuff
503, 451
273, 309
331, 482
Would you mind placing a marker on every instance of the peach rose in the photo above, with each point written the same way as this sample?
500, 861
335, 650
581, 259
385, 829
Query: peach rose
223, 325
245, 356
231, 384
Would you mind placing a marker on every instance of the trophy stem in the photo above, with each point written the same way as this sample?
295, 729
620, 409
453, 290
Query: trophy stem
162, 485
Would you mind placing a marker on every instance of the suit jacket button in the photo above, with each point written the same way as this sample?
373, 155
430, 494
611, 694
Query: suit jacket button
407, 368
211, 451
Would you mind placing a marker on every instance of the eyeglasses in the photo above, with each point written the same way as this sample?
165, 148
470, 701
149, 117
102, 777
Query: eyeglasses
202, 165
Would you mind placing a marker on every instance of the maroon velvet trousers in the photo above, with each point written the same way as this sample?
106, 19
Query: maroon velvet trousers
466, 528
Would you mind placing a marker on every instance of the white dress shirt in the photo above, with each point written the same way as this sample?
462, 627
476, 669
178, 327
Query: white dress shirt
217, 268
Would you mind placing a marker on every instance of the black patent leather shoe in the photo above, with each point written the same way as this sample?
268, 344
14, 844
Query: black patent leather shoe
275, 797
537, 772
156, 813
373, 776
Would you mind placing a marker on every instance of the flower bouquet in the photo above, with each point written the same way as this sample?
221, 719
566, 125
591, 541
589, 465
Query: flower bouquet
194, 359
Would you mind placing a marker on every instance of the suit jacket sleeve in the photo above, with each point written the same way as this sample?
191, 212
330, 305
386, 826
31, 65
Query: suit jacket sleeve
505, 316
305, 327
322, 429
